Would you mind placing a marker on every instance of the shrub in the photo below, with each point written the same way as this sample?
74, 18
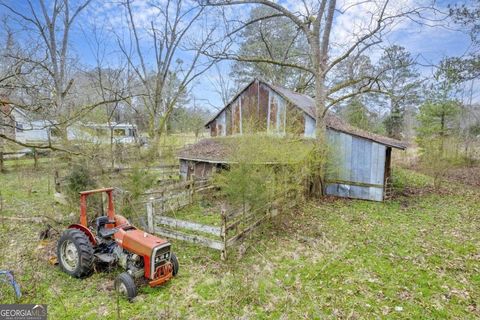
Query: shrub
79, 179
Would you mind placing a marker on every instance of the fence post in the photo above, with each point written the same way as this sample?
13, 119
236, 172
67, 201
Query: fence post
192, 191
224, 234
2, 169
1, 210
56, 181
150, 213
163, 202
35, 158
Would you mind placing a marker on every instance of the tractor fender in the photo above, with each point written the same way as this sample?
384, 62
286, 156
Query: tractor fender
85, 230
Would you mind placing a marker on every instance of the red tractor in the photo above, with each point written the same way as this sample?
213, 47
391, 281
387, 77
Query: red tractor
114, 240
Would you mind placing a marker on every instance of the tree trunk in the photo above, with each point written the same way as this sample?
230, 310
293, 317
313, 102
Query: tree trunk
321, 146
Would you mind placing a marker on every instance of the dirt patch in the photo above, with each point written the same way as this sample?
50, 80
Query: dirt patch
468, 175
419, 191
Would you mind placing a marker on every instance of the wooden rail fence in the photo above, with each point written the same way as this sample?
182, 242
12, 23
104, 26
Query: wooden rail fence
235, 225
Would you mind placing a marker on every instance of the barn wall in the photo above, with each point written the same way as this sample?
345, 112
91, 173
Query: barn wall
259, 109
200, 169
357, 167
183, 169
309, 131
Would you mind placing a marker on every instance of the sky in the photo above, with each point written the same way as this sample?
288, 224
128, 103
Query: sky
428, 44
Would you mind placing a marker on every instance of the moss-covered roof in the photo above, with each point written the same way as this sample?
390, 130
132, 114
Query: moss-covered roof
248, 148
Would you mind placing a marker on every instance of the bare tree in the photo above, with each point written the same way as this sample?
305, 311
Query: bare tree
47, 22
168, 34
46, 74
221, 85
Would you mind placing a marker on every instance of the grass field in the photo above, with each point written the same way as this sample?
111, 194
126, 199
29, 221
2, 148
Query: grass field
413, 257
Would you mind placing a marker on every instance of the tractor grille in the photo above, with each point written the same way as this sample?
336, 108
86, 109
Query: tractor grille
162, 255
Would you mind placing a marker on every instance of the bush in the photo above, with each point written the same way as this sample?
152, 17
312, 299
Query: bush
264, 169
137, 182
79, 179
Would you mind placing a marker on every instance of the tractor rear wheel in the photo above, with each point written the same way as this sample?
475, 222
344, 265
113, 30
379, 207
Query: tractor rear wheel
174, 261
125, 285
75, 253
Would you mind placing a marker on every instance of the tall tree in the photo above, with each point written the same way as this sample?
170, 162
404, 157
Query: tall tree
357, 114
315, 20
53, 24
279, 40
400, 82
170, 29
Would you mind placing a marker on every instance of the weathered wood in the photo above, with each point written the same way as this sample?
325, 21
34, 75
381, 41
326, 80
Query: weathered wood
172, 196
177, 223
223, 235
245, 231
171, 187
202, 189
35, 158
2, 168
353, 183
233, 214
241, 219
150, 213
203, 241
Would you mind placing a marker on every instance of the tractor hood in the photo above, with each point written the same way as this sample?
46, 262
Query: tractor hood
138, 242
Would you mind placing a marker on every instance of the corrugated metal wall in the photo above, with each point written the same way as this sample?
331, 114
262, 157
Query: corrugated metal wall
357, 167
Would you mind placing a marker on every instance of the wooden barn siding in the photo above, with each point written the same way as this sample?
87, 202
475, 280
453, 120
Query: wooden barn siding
258, 109
213, 128
358, 161
201, 170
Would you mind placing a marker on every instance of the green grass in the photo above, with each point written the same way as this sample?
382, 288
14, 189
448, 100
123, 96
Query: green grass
203, 211
414, 257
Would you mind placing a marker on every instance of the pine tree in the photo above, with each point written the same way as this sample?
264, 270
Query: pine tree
400, 81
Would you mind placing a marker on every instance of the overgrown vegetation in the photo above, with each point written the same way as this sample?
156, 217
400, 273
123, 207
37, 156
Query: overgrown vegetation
264, 169
79, 179
412, 257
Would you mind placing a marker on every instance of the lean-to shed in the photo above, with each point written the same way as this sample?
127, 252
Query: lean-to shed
362, 159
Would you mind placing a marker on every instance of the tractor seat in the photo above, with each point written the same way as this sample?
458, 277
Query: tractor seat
101, 230
106, 233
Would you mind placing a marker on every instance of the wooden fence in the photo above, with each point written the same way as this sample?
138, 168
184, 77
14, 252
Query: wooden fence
168, 174
235, 225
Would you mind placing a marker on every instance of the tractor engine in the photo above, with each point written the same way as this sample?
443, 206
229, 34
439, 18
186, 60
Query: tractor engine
131, 262
139, 250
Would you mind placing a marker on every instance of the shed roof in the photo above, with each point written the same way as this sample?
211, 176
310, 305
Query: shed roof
263, 149
332, 121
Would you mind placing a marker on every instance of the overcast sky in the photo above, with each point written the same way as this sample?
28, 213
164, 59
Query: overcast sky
428, 44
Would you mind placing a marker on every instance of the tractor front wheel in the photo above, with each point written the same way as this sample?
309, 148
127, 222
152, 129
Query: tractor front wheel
125, 285
75, 253
174, 261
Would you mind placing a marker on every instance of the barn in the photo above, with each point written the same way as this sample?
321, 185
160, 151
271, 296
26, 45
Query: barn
363, 158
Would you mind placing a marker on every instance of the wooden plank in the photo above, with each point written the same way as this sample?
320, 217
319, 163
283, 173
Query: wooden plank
177, 223
243, 218
150, 216
353, 183
203, 241
172, 196
245, 231
172, 187
233, 214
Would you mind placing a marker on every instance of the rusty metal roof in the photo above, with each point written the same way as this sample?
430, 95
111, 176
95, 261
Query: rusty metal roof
332, 121
207, 150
